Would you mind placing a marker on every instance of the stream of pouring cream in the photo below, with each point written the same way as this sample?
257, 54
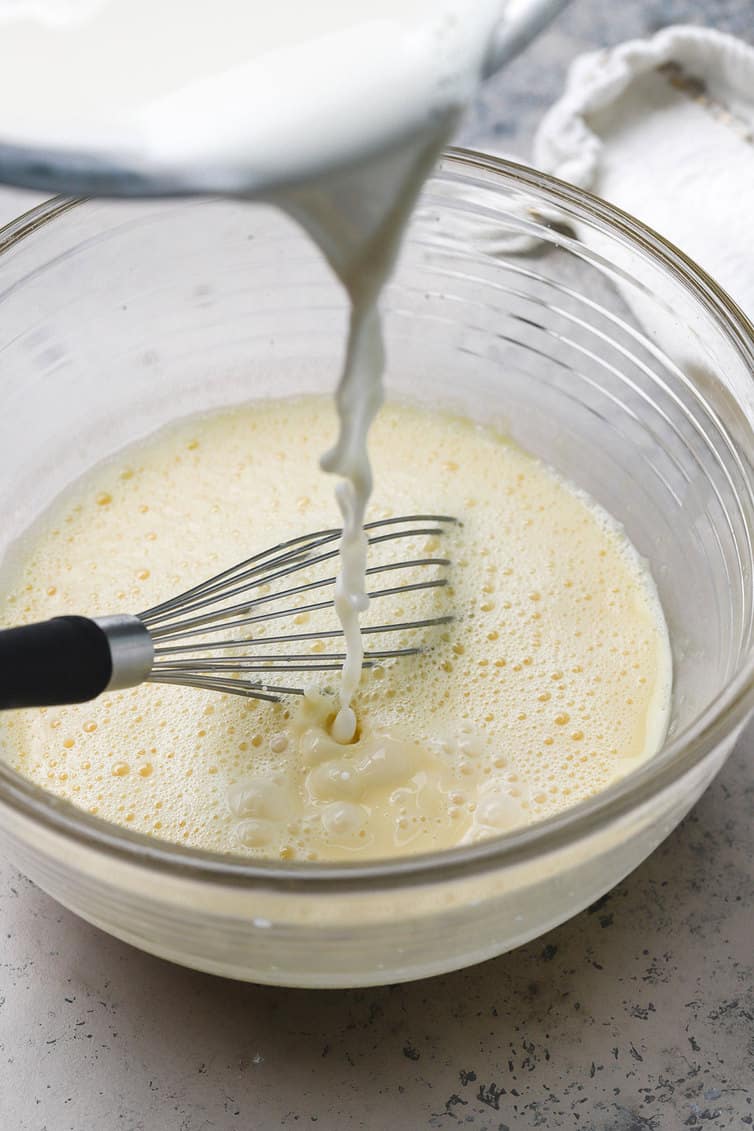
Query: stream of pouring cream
265, 101
360, 236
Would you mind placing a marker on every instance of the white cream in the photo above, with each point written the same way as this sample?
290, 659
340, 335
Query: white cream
334, 111
243, 97
359, 232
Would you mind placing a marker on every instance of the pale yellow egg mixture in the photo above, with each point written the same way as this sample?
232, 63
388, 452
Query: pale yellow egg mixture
552, 681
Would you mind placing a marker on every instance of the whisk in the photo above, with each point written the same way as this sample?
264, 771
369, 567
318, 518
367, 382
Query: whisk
214, 635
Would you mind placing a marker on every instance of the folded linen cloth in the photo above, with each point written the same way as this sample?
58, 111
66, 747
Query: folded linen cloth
664, 128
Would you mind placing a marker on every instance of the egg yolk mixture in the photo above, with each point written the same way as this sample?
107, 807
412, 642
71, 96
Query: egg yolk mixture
551, 681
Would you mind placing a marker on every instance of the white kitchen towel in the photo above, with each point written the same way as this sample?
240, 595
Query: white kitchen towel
664, 128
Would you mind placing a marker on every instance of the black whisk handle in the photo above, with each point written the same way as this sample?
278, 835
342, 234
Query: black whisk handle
64, 660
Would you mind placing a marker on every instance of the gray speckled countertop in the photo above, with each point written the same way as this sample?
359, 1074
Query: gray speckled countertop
637, 1015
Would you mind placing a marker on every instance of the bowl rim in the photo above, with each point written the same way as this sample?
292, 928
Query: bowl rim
681, 755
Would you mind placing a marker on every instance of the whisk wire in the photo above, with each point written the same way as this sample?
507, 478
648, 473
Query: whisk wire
185, 628
290, 638
291, 560
201, 624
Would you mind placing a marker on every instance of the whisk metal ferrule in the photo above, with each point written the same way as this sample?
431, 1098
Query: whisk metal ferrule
131, 650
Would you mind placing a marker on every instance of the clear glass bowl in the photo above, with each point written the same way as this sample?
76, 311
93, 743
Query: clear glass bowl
517, 300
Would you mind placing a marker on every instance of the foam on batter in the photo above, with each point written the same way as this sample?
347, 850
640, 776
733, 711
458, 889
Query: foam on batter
553, 681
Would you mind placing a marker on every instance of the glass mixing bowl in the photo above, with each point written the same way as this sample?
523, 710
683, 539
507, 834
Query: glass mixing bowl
517, 300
